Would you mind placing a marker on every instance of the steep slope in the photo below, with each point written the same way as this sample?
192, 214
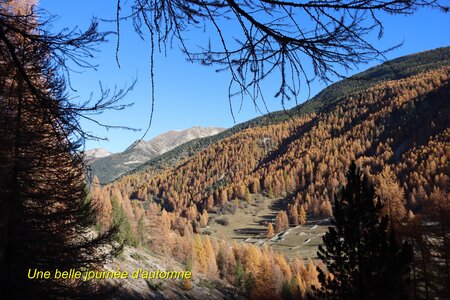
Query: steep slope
133, 259
396, 69
171, 139
307, 156
397, 131
109, 167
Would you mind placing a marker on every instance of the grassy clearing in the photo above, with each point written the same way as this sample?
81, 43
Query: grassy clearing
249, 224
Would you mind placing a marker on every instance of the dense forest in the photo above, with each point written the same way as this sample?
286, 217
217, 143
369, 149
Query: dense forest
397, 131
367, 159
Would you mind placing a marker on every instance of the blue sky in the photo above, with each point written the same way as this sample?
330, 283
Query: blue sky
192, 95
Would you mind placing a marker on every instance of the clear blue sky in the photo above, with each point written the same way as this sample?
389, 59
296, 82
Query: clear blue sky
192, 95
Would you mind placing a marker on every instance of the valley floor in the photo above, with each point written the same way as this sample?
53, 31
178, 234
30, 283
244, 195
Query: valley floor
249, 225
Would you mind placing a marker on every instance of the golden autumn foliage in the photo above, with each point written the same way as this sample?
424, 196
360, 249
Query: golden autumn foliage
309, 155
397, 132
270, 231
210, 258
281, 222
266, 269
392, 196
102, 203
200, 255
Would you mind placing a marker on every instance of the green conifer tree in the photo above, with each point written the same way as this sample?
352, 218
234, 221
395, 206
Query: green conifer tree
360, 251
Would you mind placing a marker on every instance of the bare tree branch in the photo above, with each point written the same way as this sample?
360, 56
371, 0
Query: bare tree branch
259, 40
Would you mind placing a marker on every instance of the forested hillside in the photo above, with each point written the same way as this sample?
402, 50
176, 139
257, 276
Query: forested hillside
396, 130
345, 196
110, 167
383, 126
392, 70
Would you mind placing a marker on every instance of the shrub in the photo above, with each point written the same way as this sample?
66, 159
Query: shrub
223, 221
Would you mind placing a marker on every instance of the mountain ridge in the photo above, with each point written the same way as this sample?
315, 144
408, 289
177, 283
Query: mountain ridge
306, 157
93, 154
395, 69
109, 167
281, 175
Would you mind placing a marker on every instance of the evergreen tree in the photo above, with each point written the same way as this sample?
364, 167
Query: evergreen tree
286, 292
221, 264
362, 255
119, 218
239, 274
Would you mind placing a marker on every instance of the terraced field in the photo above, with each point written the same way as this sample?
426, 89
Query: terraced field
249, 224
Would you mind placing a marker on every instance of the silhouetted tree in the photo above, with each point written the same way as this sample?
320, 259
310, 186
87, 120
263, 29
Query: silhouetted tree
429, 231
362, 256
45, 218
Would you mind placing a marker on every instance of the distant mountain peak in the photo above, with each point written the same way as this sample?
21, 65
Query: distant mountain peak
173, 138
110, 167
96, 153
138, 145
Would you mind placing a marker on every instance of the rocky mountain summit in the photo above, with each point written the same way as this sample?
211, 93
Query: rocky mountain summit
109, 166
